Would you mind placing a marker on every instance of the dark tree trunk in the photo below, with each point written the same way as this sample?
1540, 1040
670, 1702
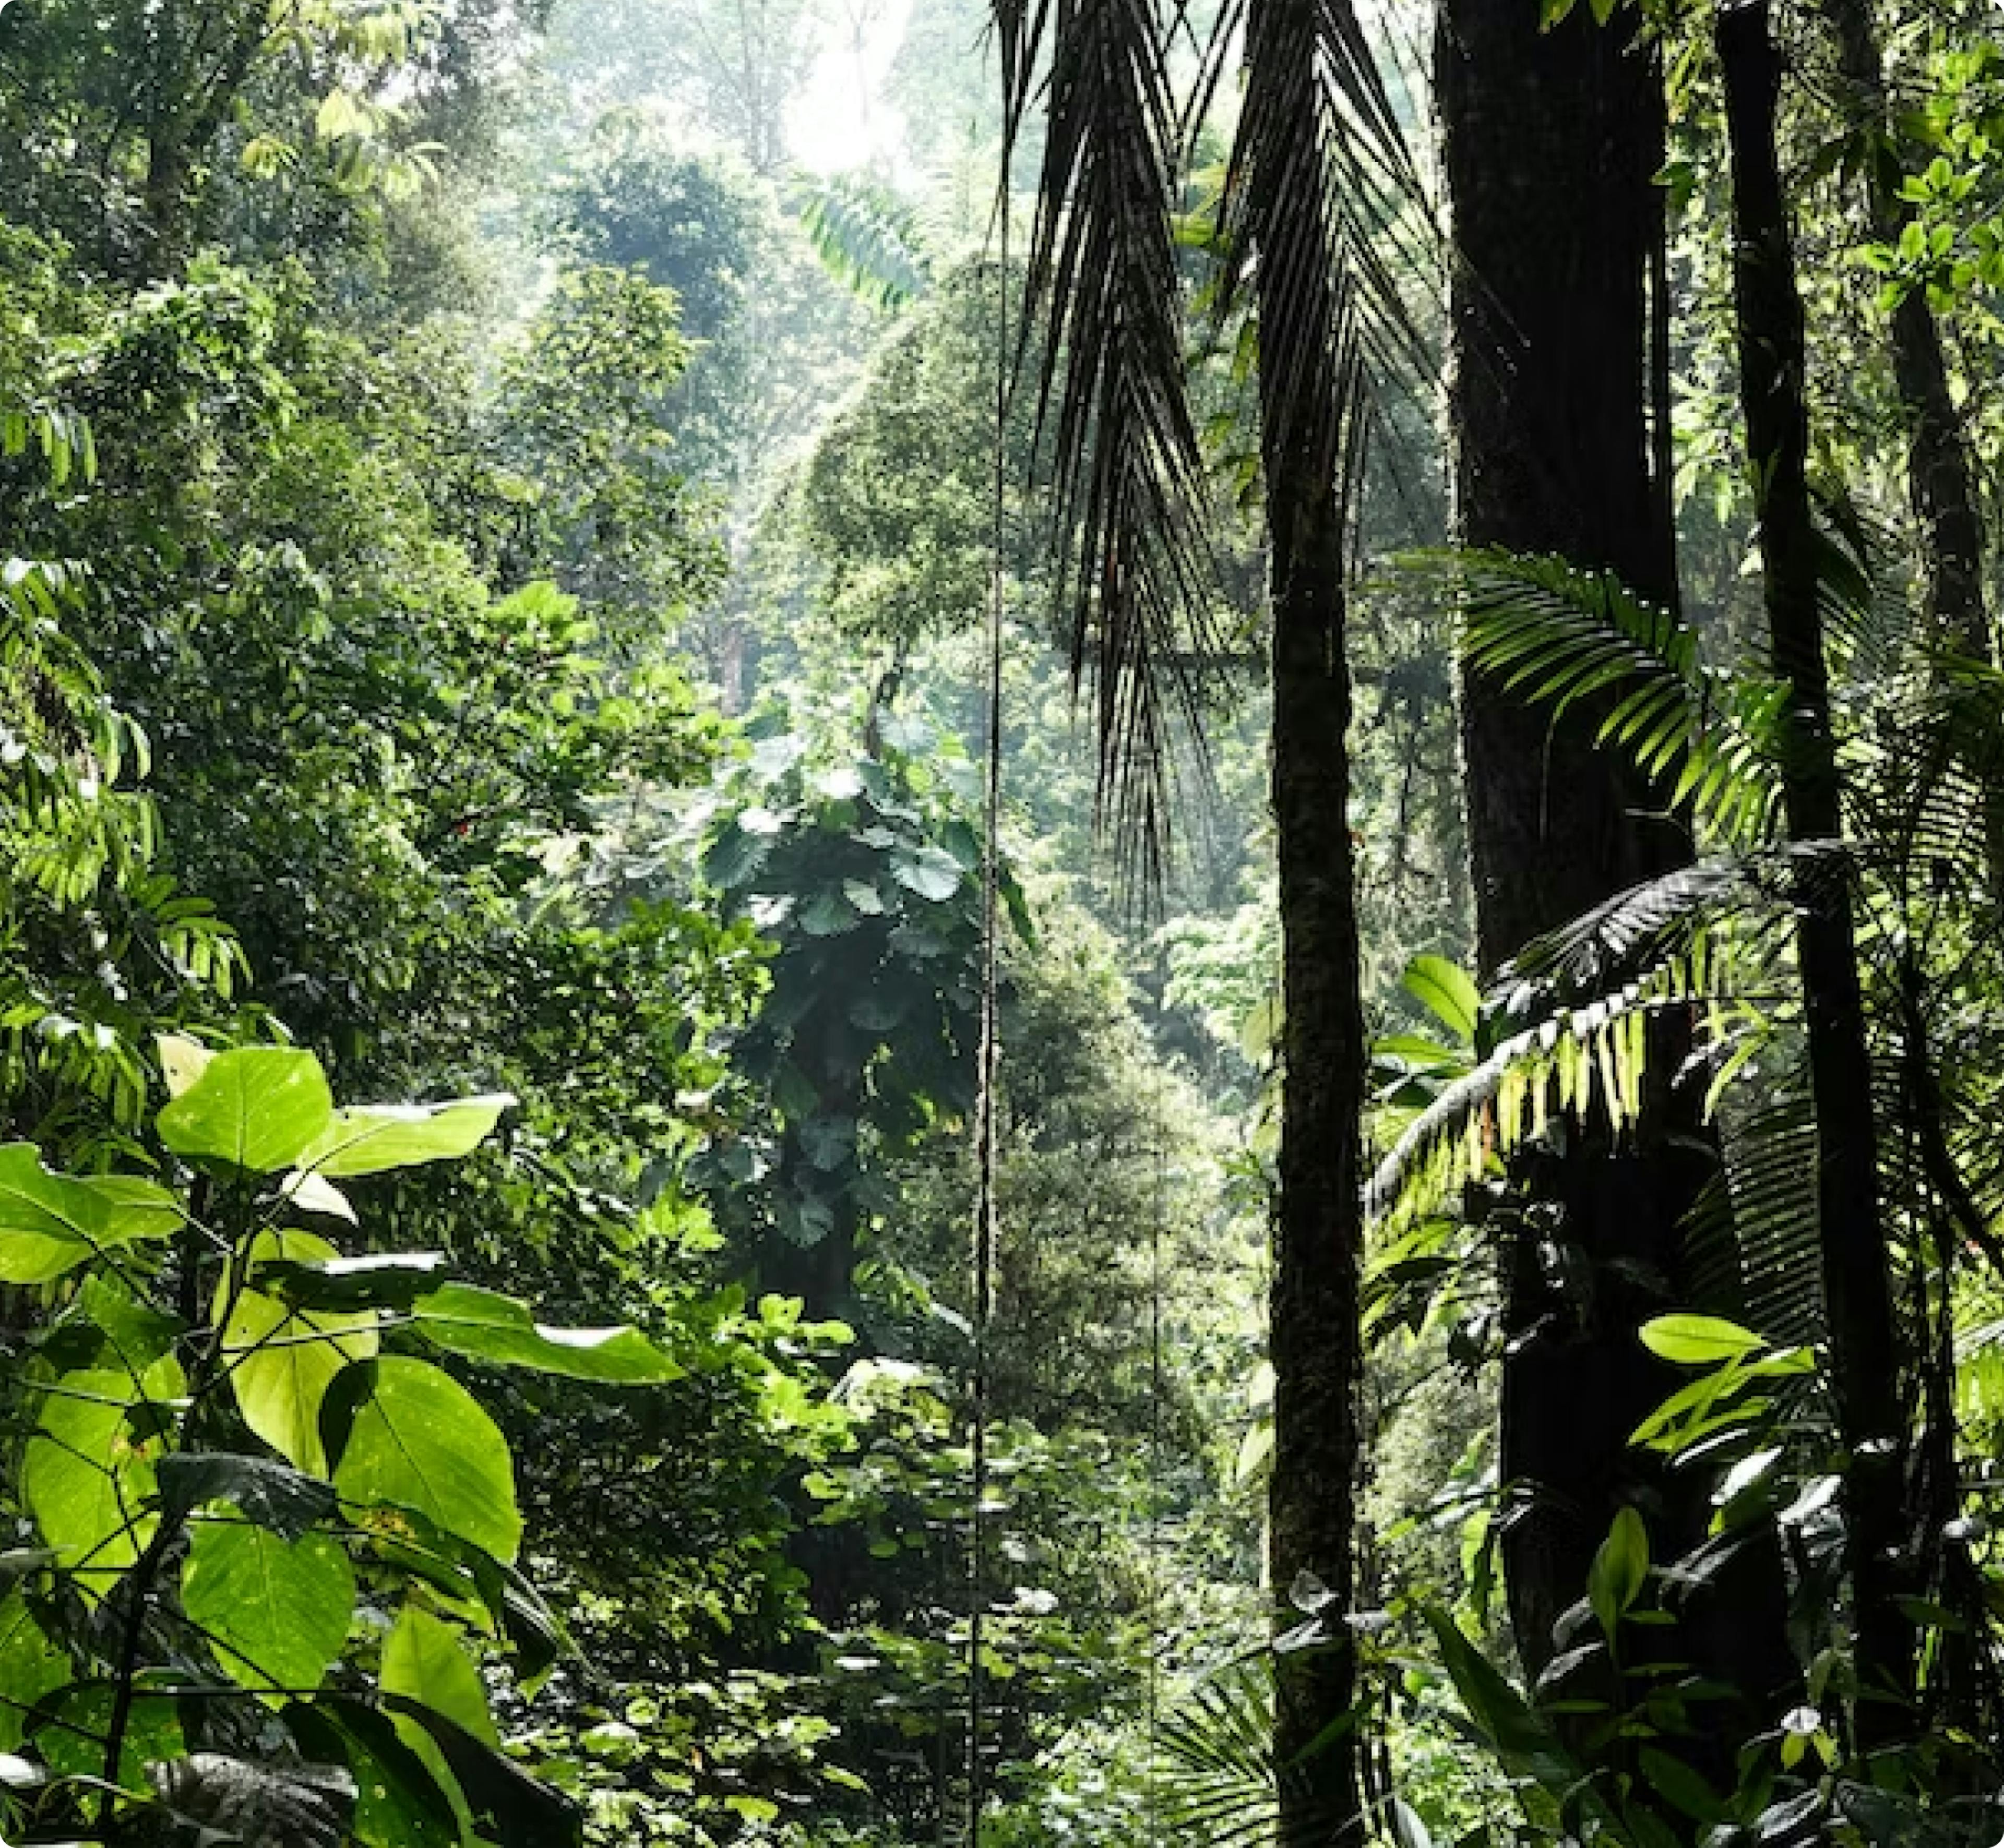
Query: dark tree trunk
1309, 388
1318, 1235
1558, 427
1864, 1342
1939, 482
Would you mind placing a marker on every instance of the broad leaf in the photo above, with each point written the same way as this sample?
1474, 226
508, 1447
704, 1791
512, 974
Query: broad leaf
1447, 992
393, 1281
1621, 1569
513, 1809
72, 1740
283, 1360
399, 1803
50, 1223
258, 1109
486, 1325
274, 1495
422, 1660
376, 1137
88, 1481
276, 1611
932, 872
416, 1438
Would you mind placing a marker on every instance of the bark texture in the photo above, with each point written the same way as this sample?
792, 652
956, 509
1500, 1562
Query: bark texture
1319, 1225
1864, 1344
1558, 364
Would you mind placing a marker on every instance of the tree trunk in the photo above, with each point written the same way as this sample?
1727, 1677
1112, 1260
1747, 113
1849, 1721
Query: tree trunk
1309, 389
1939, 483
1318, 1237
1863, 1340
1558, 421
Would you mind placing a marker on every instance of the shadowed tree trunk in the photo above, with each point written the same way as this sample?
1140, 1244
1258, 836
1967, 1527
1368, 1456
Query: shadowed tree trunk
1863, 1340
1939, 482
1557, 415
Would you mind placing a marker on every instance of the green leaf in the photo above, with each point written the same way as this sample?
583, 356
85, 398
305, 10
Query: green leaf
513, 1809
274, 1495
1447, 992
423, 1661
276, 1610
485, 1325
72, 1740
377, 1137
417, 1438
88, 1480
1699, 1340
932, 872
50, 1223
137, 1334
258, 1109
30, 1667
282, 1360
1621, 1569
394, 1280
399, 1801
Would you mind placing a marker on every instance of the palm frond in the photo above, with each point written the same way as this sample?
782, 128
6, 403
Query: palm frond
1576, 1007
1105, 304
1561, 636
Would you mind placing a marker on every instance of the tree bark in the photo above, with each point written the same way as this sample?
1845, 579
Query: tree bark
1318, 1236
1863, 1340
1558, 433
1309, 390
1940, 484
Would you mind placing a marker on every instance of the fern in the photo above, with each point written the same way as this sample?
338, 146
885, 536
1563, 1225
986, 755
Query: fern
867, 239
1562, 636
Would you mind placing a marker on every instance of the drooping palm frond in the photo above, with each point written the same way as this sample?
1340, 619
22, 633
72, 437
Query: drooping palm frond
1561, 635
1127, 498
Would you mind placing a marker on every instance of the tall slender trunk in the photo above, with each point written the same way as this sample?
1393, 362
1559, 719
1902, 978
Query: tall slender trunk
1557, 415
1318, 1235
1864, 1341
1309, 390
1939, 480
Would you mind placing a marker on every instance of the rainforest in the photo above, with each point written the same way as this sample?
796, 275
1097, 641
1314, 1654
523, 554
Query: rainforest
1001, 923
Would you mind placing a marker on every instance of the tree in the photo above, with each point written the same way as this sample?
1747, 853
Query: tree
1558, 420
1865, 1347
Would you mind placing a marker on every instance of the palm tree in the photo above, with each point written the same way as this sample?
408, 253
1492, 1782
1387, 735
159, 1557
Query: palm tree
1318, 154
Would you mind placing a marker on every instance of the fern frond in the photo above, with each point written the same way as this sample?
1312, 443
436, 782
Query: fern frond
867, 238
1561, 635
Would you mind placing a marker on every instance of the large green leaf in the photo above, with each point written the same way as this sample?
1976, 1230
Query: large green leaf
50, 1223
281, 1360
274, 1495
88, 1480
422, 1660
375, 1138
258, 1109
486, 1325
416, 1438
276, 1610
30, 1667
